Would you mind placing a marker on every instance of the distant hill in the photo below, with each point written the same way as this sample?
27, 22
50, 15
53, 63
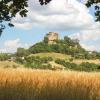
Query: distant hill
55, 53
52, 43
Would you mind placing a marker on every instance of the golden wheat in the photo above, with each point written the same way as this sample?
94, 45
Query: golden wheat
28, 84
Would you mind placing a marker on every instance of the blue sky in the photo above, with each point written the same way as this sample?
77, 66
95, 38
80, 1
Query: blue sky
66, 17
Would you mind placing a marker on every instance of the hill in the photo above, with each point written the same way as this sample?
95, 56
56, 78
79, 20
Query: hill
66, 46
65, 57
52, 43
56, 53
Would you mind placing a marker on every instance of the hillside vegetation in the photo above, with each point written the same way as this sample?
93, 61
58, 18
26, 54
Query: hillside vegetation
65, 57
53, 55
28, 84
65, 46
66, 52
7, 64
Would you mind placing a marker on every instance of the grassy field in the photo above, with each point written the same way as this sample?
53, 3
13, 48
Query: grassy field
65, 57
28, 84
53, 55
8, 64
97, 61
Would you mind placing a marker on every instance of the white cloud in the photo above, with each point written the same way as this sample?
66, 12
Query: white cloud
87, 35
12, 43
91, 47
59, 15
11, 46
62, 15
3, 50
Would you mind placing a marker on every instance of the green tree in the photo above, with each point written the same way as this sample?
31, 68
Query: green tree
4, 56
98, 55
22, 52
46, 39
10, 8
96, 6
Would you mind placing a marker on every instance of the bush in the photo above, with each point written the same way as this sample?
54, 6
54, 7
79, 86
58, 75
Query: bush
71, 59
67, 65
19, 60
85, 66
4, 56
37, 62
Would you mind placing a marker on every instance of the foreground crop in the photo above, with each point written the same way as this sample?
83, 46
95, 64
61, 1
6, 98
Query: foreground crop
28, 84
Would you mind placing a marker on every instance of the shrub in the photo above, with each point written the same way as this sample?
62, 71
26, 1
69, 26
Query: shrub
37, 62
71, 59
85, 66
67, 65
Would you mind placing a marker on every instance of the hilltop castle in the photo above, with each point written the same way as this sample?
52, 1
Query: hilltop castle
52, 37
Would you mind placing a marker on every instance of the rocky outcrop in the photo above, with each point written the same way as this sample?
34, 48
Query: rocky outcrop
52, 37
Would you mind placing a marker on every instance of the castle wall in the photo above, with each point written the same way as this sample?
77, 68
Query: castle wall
52, 37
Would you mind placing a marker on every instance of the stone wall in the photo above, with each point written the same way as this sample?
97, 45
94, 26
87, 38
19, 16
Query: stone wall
52, 37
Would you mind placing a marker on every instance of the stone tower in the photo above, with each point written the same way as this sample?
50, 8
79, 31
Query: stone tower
52, 37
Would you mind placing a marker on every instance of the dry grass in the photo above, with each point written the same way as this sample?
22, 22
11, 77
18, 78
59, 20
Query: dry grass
28, 84
65, 57
97, 61
8, 64
52, 54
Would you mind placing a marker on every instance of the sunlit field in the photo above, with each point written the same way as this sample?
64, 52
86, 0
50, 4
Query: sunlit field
7, 64
28, 84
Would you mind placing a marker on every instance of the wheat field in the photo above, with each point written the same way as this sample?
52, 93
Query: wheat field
28, 84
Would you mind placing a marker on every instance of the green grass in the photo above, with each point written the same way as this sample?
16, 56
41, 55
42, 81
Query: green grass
53, 55
65, 57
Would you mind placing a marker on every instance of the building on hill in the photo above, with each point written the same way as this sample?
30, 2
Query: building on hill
52, 37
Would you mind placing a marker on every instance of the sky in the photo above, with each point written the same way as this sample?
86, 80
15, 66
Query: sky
66, 17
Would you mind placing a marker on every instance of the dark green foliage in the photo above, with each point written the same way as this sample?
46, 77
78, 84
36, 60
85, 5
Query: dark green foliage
98, 55
85, 66
40, 47
37, 62
19, 60
67, 64
42, 2
71, 59
66, 46
46, 40
4, 56
21, 52
10, 8
97, 7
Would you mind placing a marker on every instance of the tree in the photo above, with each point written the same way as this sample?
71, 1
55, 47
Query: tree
96, 4
46, 40
4, 56
10, 8
22, 52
